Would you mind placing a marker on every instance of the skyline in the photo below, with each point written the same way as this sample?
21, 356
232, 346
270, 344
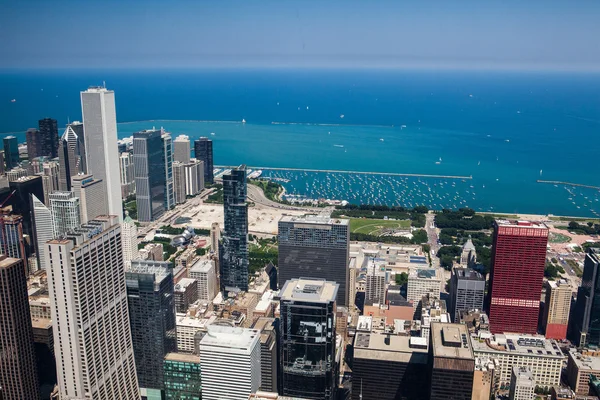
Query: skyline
505, 36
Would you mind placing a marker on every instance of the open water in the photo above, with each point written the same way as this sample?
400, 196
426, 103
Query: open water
505, 130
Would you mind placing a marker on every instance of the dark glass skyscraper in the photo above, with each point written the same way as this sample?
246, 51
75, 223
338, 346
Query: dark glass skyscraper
234, 249
315, 246
585, 319
308, 364
49, 137
21, 200
152, 319
204, 152
149, 171
18, 376
11, 152
34, 143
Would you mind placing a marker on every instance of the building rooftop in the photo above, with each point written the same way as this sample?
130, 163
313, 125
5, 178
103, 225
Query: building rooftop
561, 283
159, 268
41, 323
386, 347
522, 224
6, 262
315, 219
202, 266
183, 357
183, 284
451, 341
313, 290
230, 337
534, 345
468, 274
425, 273
189, 322
97, 89
585, 363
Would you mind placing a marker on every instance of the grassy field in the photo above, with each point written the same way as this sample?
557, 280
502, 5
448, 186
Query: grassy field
558, 238
376, 226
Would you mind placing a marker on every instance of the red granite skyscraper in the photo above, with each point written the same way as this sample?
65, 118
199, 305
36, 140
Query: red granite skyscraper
518, 261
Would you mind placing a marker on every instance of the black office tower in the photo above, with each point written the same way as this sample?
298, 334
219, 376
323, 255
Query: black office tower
308, 339
233, 251
11, 152
49, 137
584, 324
315, 246
34, 144
21, 199
204, 152
152, 319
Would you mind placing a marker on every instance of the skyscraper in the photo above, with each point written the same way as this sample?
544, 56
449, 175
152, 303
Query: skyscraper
69, 156
11, 152
18, 375
127, 175
43, 229
516, 277
77, 127
308, 339
467, 291
100, 130
92, 336
12, 243
585, 320
149, 167
194, 177
315, 246
179, 182
34, 143
375, 285
129, 239
203, 150
230, 362
49, 137
152, 319
169, 188
64, 207
269, 353
234, 250
452, 362
91, 195
556, 309
21, 199
181, 149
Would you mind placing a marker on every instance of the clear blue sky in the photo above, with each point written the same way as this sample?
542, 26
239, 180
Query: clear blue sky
508, 34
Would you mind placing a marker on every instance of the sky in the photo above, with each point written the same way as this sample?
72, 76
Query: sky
463, 34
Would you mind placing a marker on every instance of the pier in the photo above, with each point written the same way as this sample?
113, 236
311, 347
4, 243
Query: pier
569, 184
351, 172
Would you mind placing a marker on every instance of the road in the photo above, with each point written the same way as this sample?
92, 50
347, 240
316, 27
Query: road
257, 196
432, 236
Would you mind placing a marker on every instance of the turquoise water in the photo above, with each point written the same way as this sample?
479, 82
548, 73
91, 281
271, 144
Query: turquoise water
506, 130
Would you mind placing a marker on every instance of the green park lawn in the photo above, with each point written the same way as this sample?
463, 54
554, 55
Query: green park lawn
375, 226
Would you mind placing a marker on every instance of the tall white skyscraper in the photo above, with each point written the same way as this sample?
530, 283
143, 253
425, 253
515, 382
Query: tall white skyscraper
230, 363
129, 239
182, 149
92, 198
100, 132
64, 207
90, 318
43, 229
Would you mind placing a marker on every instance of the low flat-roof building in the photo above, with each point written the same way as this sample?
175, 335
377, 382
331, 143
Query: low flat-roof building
187, 327
579, 368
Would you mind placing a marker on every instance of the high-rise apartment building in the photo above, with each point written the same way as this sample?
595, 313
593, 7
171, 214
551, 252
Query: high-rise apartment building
315, 246
21, 199
452, 362
423, 282
230, 362
127, 175
269, 350
556, 309
516, 277
181, 149
149, 167
585, 320
64, 207
11, 152
233, 255
100, 130
49, 137
43, 230
152, 319
129, 239
34, 144
308, 339
215, 237
92, 336
203, 271
203, 151
91, 195
194, 177
70, 157
179, 182
169, 199
375, 283
467, 291
18, 375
